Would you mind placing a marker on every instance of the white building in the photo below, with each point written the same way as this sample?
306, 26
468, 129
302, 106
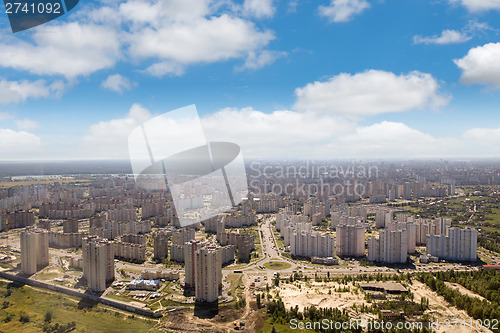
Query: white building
34, 249
208, 281
391, 246
312, 244
350, 240
98, 262
459, 244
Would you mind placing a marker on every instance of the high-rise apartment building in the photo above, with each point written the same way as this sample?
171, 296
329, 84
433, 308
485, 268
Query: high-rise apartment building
98, 262
208, 278
459, 244
161, 244
34, 249
391, 246
350, 240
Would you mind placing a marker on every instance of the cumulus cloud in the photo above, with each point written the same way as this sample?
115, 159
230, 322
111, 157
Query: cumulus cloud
370, 93
292, 134
481, 65
446, 37
109, 139
204, 40
69, 49
16, 144
27, 124
20, 91
117, 83
165, 68
257, 60
483, 136
258, 8
478, 5
171, 34
5, 115
343, 10
393, 140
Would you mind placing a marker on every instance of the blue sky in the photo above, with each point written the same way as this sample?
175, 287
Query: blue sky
284, 79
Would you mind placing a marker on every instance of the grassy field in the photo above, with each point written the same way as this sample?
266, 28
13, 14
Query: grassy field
25, 309
494, 217
277, 265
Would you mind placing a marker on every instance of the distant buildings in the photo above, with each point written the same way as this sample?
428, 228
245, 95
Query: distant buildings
243, 243
183, 235
34, 250
131, 247
70, 226
62, 240
155, 274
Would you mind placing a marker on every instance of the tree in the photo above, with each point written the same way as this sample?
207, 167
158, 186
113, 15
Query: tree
48, 317
274, 330
258, 301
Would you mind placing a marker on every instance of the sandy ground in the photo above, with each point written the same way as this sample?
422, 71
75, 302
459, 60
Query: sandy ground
464, 290
314, 293
441, 310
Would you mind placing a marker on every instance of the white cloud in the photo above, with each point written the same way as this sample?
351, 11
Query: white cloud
26, 124
483, 136
16, 144
343, 10
70, 49
291, 135
370, 93
109, 139
117, 83
203, 40
393, 140
257, 60
446, 37
164, 68
5, 115
280, 134
20, 91
479, 5
170, 34
292, 6
484, 141
258, 8
481, 65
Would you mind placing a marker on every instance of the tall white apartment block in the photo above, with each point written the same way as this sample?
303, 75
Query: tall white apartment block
34, 249
459, 245
350, 240
190, 249
391, 246
208, 278
411, 233
312, 244
98, 262
382, 218
183, 235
